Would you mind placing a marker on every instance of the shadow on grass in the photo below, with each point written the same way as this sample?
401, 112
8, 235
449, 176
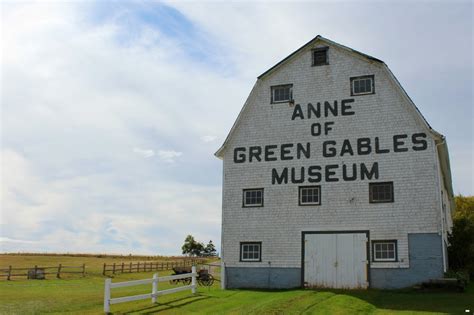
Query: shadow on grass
413, 300
395, 300
177, 303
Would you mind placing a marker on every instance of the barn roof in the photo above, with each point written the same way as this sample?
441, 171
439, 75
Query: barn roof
308, 44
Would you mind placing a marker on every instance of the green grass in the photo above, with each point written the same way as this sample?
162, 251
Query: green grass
85, 296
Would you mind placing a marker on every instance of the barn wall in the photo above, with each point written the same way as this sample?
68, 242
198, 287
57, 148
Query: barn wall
267, 277
426, 262
345, 205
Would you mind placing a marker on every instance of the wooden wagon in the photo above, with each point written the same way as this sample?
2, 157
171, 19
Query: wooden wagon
204, 278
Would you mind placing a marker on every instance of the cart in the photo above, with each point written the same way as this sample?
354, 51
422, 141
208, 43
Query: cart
203, 278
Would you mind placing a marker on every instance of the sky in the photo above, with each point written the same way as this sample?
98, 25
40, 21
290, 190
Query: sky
111, 111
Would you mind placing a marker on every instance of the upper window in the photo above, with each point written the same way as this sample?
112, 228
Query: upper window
309, 195
282, 93
381, 192
251, 251
384, 250
320, 56
253, 197
362, 85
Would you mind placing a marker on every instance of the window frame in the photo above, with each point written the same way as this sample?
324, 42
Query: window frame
371, 197
353, 79
313, 59
241, 252
301, 203
272, 89
245, 205
375, 259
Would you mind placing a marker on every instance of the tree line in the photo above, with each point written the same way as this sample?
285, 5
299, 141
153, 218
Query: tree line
192, 247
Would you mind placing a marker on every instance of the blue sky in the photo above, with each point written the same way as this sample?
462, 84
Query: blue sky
112, 110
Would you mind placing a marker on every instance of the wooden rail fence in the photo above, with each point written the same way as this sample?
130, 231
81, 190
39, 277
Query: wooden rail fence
40, 272
108, 300
117, 268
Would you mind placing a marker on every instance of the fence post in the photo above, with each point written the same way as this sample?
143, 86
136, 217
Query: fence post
108, 282
9, 272
138, 267
113, 269
155, 288
193, 279
58, 274
103, 272
123, 264
130, 269
84, 270
36, 270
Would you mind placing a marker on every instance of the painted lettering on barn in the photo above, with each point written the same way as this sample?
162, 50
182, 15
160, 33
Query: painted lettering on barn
327, 149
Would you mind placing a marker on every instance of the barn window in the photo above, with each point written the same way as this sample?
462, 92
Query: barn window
309, 195
253, 197
381, 192
251, 251
320, 56
362, 85
282, 93
384, 250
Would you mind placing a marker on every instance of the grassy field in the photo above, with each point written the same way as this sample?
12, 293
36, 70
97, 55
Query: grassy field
85, 296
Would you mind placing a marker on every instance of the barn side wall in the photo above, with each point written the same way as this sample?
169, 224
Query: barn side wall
345, 204
257, 277
426, 262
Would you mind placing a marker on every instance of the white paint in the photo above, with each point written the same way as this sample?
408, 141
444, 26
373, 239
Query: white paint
154, 290
108, 300
336, 260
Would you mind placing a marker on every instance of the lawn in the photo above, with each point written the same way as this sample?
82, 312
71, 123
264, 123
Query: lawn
85, 296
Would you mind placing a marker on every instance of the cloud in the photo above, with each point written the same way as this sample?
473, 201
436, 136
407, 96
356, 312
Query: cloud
9, 240
208, 138
143, 152
169, 156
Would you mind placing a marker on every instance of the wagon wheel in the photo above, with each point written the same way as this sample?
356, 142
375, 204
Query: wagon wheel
206, 281
186, 281
174, 281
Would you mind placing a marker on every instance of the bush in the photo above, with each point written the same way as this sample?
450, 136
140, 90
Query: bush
461, 275
461, 238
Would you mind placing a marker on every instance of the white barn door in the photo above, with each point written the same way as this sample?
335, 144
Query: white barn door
335, 260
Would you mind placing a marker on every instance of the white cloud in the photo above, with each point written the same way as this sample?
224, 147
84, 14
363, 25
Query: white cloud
169, 156
9, 240
208, 138
146, 153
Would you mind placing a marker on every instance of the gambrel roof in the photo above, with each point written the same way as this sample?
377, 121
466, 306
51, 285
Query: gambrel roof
439, 138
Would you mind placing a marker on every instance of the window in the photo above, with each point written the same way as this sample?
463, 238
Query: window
320, 56
362, 85
251, 251
309, 195
381, 192
253, 197
282, 93
384, 250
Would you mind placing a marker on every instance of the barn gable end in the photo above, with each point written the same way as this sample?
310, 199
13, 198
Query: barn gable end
329, 149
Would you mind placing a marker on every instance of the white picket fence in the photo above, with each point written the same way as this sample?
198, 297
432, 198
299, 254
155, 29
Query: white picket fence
108, 300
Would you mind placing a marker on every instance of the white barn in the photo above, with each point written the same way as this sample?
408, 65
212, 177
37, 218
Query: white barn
333, 178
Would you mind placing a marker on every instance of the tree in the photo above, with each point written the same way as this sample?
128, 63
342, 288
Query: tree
210, 249
461, 238
191, 247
